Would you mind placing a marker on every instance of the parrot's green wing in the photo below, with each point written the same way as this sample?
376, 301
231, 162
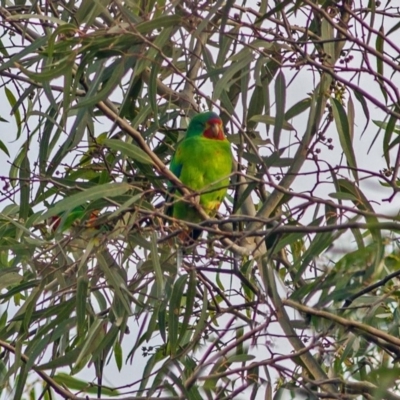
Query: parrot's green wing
176, 168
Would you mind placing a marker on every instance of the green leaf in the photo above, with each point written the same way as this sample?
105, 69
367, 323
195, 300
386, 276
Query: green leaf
17, 17
51, 71
268, 120
109, 337
200, 325
129, 150
70, 382
91, 342
82, 120
118, 355
102, 84
362, 203
21, 380
379, 61
343, 127
225, 42
188, 313
94, 193
390, 128
297, 109
226, 80
148, 369
24, 176
165, 21
174, 313
256, 106
81, 301
280, 104
275, 160
28, 50
89, 10
343, 196
157, 267
116, 277
240, 358
10, 278
67, 359
327, 35
351, 117
364, 106
13, 101
379, 48
394, 28
3, 148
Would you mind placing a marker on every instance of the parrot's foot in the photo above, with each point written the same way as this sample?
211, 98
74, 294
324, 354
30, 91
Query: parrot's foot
210, 253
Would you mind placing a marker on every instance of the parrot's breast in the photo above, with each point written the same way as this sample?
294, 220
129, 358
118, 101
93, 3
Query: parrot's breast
206, 168
205, 162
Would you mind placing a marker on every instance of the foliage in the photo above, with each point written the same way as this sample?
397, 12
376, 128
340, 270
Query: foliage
292, 293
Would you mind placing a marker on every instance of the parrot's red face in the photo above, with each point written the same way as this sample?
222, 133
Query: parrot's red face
214, 129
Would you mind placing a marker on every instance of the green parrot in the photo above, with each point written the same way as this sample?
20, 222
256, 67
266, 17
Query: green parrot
203, 163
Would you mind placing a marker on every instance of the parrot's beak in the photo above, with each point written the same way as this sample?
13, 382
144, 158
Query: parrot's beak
216, 129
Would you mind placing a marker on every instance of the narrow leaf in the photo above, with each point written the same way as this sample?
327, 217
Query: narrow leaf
81, 301
157, 267
268, 120
297, 109
78, 199
174, 313
190, 297
342, 125
280, 103
129, 150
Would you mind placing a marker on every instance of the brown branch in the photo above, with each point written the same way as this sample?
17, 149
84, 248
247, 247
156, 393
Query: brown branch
343, 321
65, 393
310, 363
264, 363
204, 362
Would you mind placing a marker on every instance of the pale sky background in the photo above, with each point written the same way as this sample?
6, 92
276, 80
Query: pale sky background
298, 90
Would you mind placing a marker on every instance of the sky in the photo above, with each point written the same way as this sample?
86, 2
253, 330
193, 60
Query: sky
368, 159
